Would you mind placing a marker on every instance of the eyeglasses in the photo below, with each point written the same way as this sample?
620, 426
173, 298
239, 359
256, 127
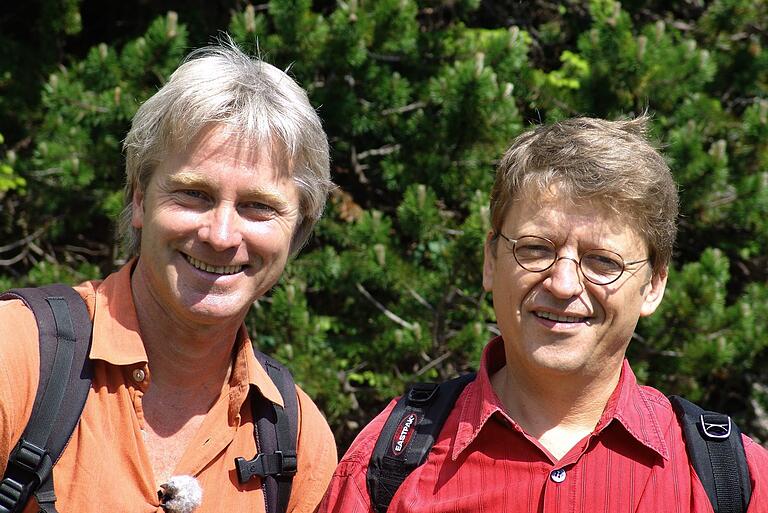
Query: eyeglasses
537, 254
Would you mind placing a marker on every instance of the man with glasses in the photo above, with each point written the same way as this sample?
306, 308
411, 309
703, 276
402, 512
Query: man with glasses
583, 216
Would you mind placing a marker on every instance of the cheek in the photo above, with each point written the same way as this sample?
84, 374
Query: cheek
511, 296
175, 221
525, 288
615, 308
274, 238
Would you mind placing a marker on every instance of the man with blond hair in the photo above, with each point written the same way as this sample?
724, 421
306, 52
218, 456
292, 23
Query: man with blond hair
583, 216
227, 172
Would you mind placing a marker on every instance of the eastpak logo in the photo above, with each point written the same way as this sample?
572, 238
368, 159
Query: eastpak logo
404, 433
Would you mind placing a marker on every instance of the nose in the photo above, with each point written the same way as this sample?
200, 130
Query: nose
564, 280
221, 228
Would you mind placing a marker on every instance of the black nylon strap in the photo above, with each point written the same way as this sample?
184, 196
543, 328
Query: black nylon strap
64, 328
275, 430
717, 456
408, 436
728, 490
41, 429
286, 432
46, 498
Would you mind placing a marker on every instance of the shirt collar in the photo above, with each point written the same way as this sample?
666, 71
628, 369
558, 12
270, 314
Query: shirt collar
116, 337
628, 405
479, 402
248, 371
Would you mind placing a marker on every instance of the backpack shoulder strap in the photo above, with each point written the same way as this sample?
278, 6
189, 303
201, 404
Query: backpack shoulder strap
64, 327
275, 429
408, 435
716, 451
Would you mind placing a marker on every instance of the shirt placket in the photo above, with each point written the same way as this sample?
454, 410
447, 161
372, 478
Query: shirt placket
559, 489
138, 381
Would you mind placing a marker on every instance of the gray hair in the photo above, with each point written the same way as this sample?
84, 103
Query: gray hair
608, 162
256, 101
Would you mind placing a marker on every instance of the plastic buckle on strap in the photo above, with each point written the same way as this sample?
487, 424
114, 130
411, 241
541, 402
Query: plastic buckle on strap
421, 393
276, 464
290, 463
716, 427
27, 456
11, 493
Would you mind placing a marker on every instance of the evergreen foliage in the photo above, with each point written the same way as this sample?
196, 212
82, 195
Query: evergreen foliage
419, 99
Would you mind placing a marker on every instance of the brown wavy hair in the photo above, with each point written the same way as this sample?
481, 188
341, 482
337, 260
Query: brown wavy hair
610, 163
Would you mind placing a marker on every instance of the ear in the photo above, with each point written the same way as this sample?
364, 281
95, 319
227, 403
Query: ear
489, 262
654, 293
137, 212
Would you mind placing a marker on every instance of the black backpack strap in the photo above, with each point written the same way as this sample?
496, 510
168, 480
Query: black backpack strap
64, 326
275, 429
716, 451
408, 435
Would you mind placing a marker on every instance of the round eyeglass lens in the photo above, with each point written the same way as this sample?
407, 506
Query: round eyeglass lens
534, 253
601, 266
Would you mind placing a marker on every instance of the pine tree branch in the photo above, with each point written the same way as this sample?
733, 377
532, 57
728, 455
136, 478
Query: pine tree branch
384, 57
384, 150
404, 108
359, 168
434, 363
17, 258
101, 251
388, 313
418, 297
25, 241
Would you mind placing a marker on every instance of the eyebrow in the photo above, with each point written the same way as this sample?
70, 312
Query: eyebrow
191, 179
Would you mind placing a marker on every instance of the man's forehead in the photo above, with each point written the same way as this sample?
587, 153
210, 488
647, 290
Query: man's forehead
555, 200
222, 141
559, 215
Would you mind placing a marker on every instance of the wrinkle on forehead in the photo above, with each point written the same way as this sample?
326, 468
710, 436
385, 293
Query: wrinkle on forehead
545, 190
217, 138
560, 218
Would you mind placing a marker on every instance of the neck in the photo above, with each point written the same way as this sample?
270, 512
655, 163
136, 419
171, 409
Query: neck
179, 363
558, 411
181, 354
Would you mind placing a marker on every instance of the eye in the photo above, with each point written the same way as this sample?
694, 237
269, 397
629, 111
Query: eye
258, 210
191, 198
194, 194
602, 262
533, 251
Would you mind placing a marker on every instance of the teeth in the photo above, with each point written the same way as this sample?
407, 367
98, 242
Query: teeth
225, 269
559, 318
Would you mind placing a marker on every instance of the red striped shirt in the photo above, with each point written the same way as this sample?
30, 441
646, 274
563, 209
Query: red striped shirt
634, 461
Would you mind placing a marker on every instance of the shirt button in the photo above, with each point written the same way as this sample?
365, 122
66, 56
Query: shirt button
138, 375
558, 476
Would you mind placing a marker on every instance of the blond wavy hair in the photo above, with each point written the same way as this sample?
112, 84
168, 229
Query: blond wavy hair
255, 102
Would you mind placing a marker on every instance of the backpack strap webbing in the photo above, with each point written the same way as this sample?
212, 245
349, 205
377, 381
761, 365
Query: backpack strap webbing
275, 430
408, 435
716, 451
64, 327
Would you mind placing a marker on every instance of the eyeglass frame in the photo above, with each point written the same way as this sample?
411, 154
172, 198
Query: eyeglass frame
577, 262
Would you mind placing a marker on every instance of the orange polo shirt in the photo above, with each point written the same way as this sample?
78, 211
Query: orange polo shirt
105, 467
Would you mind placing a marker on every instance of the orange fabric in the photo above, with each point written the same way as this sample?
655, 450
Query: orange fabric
105, 467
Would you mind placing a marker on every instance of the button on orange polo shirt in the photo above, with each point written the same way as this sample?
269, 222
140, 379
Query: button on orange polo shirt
105, 467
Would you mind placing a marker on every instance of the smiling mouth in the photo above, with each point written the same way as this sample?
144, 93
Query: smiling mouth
559, 318
214, 269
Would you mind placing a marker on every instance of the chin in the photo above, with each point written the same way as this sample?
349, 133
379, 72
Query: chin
212, 316
215, 307
559, 361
